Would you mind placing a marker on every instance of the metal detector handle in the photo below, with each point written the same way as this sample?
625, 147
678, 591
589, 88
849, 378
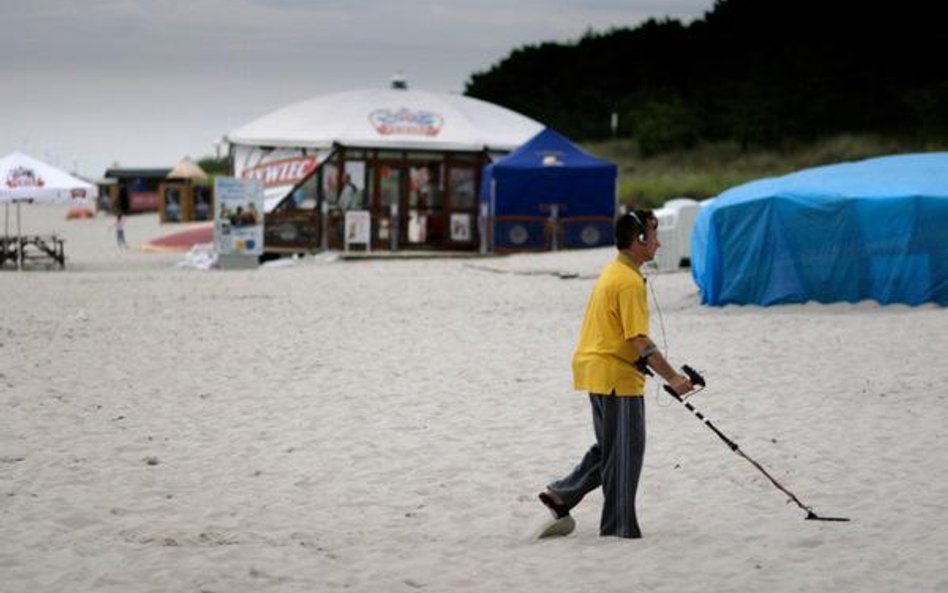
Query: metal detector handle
696, 379
693, 376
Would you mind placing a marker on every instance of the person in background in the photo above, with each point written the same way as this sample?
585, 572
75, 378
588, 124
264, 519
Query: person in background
613, 339
346, 200
348, 194
201, 206
120, 231
172, 205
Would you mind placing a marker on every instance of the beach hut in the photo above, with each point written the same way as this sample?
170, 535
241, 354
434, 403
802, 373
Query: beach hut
185, 194
549, 193
873, 229
410, 159
132, 190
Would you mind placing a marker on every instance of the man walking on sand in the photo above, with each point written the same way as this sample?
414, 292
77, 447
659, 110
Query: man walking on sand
613, 338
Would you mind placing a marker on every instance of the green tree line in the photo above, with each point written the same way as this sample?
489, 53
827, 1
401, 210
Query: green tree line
755, 72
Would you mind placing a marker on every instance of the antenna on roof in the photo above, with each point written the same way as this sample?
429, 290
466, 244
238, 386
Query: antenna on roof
399, 81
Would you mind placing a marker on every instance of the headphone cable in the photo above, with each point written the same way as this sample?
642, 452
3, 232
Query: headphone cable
661, 323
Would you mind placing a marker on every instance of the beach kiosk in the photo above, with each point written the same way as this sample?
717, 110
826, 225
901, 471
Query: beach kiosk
185, 195
131, 190
410, 159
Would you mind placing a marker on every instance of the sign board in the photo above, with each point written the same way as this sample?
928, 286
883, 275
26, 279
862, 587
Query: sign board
460, 227
238, 219
358, 228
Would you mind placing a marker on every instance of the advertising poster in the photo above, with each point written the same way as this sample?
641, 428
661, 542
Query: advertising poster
358, 228
460, 227
238, 219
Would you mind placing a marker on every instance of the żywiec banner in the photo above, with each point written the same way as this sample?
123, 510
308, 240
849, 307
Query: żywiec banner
279, 170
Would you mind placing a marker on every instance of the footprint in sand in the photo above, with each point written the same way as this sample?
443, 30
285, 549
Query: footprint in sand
808, 542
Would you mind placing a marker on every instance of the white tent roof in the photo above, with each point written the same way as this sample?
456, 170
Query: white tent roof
390, 118
23, 178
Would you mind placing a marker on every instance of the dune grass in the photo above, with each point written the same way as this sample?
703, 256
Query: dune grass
709, 168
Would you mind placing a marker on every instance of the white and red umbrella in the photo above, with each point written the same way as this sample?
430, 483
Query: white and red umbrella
24, 179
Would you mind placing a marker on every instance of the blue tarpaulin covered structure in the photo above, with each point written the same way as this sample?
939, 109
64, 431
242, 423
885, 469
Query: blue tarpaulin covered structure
874, 229
520, 191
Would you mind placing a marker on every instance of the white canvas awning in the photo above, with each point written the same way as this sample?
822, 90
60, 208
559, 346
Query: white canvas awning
390, 118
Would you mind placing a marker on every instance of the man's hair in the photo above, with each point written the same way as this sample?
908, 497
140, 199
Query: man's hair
632, 226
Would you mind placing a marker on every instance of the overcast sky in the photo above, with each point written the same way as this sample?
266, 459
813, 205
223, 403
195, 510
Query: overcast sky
86, 83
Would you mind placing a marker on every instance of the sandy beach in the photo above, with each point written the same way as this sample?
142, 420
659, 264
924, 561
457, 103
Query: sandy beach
386, 425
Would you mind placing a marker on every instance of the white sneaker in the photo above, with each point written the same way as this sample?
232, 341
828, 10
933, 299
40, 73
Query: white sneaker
557, 527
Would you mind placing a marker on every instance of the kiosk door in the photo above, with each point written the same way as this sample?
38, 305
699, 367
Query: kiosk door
462, 206
391, 184
423, 225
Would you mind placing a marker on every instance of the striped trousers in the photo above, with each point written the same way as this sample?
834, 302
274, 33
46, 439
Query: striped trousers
614, 462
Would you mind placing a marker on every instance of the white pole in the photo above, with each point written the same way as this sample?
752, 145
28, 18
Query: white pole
394, 226
554, 224
492, 216
19, 240
324, 215
345, 231
483, 227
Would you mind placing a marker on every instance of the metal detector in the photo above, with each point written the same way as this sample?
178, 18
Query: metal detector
697, 379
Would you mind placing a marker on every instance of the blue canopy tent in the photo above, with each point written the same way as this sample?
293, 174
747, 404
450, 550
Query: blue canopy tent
520, 191
874, 229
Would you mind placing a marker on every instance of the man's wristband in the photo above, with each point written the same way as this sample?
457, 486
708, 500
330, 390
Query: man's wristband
649, 351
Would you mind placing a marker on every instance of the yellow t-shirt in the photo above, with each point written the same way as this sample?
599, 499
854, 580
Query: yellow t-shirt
616, 313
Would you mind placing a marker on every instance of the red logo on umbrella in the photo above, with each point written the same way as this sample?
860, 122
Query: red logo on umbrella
24, 177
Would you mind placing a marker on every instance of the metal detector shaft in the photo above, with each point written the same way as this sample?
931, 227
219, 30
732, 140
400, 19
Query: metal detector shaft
697, 379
